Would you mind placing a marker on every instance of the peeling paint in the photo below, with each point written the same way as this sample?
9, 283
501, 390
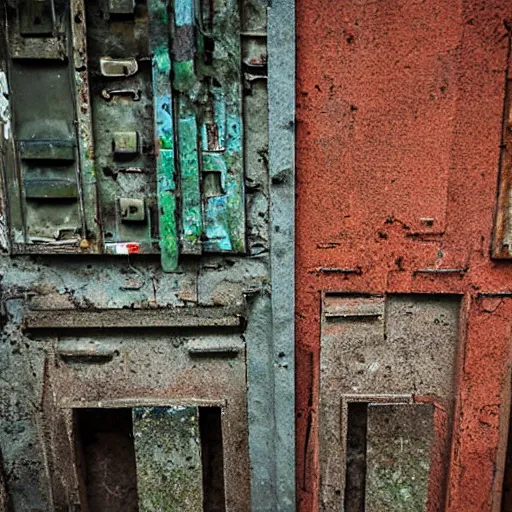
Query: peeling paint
5, 116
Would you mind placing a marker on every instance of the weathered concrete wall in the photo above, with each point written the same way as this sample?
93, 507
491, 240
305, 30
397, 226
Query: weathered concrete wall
32, 376
399, 112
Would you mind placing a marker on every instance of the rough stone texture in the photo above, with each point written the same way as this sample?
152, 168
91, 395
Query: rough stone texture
168, 455
403, 346
399, 111
144, 371
399, 443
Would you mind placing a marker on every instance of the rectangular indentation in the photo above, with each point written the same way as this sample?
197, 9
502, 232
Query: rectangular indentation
353, 307
47, 149
50, 189
84, 350
219, 346
36, 17
398, 454
355, 477
210, 426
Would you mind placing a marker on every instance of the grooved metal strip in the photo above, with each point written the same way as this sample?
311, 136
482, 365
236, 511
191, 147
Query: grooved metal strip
91, 238
188, 87
164, 131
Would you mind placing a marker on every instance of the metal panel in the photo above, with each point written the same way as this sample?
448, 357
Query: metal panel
168, 457
207, 80
188, 87
122, 108
47, 192
164, 133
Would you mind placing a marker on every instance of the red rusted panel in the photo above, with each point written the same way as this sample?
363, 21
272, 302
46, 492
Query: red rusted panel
400, 111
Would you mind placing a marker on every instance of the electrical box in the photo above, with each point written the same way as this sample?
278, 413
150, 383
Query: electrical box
122, 127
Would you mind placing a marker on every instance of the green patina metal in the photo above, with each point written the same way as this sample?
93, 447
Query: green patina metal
225, 214
164, 143
185, 78
189, 173
167, 208
207, 81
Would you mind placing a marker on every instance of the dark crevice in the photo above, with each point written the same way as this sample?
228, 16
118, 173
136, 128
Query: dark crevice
356, 457
210, 426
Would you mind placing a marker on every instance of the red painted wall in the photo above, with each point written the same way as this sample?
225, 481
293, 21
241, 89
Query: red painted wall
399, 120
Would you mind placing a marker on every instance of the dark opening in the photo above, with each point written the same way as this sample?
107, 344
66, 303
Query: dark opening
107, 458
210, 427
356, 457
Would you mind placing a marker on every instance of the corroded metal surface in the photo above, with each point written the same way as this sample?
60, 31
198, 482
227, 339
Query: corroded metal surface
70, 336
164, 133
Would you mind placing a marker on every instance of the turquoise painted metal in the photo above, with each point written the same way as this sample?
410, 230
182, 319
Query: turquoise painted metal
164, 134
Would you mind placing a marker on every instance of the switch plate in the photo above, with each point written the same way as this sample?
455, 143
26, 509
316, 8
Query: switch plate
132, 210
121, 6
36, 18
125, 144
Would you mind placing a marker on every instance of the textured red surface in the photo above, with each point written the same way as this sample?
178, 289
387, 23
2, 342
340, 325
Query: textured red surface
399, 121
